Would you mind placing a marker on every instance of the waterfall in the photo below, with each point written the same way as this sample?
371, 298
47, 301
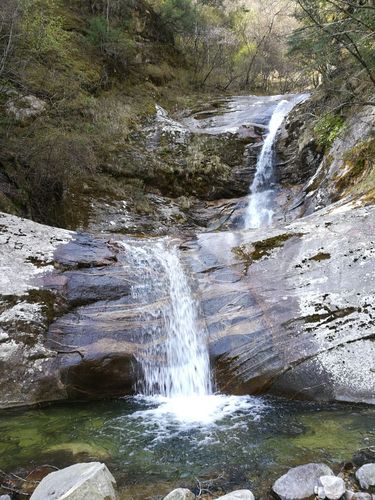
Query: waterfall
259, 211
175, 360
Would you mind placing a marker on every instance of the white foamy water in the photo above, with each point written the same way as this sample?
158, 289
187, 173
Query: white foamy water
175, 361
259, 211
184, 413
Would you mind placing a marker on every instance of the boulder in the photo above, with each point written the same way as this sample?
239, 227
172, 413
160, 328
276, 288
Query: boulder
180, 494
78, 482
331, 487
5, 497
366, 476
359, 495
46, 273
238, 495
23, 108
300, 482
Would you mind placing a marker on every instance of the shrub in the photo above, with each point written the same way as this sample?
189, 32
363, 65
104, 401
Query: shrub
327, 129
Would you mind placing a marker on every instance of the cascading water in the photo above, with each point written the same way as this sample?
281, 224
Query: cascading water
259, 211
175, 362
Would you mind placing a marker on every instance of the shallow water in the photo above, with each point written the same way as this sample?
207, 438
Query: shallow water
152, 445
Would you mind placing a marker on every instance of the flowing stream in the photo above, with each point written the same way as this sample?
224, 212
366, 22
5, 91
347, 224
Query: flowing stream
259, 211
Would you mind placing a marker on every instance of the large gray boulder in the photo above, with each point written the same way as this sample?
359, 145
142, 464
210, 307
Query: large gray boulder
366, 476
46, 273
78, 482
299, 483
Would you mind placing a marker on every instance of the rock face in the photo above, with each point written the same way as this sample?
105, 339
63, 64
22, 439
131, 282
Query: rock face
78, 482
345, 171
366, 476
290, 310
180, 494
49, 274
300, 482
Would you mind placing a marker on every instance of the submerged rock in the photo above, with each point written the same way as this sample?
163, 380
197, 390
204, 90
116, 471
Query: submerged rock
238, 495
331, 487
364, 456
300, 482
180, 494
366, 476
78, 482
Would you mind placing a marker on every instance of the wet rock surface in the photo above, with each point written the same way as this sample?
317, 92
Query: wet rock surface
289, 309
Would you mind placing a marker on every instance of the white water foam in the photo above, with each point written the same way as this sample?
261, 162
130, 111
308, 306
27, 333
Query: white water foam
259, 211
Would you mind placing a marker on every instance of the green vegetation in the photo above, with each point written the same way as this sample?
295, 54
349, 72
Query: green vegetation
327, 129
262, 248
358, 173
78, 80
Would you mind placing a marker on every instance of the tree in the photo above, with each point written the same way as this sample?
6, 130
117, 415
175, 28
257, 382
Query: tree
8, 26
337, 34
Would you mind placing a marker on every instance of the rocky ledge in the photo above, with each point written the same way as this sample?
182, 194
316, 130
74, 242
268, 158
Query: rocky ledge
289, 310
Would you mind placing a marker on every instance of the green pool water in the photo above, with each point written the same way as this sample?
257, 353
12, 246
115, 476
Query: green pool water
150, 453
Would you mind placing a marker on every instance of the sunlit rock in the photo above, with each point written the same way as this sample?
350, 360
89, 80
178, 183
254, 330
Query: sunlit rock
300, 482
180, 494
78, 482
331, 487
238, 495
366, 475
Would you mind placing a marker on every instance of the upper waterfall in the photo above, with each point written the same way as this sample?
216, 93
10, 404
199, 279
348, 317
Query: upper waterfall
259, 211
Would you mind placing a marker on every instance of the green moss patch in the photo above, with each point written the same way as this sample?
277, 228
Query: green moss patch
258, 250
358, 174
327, 129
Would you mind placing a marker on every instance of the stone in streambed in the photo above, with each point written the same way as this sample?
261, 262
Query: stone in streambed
299, 482
366, 476
78, 482
238, 495
359, 495
180, 494
330, 487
